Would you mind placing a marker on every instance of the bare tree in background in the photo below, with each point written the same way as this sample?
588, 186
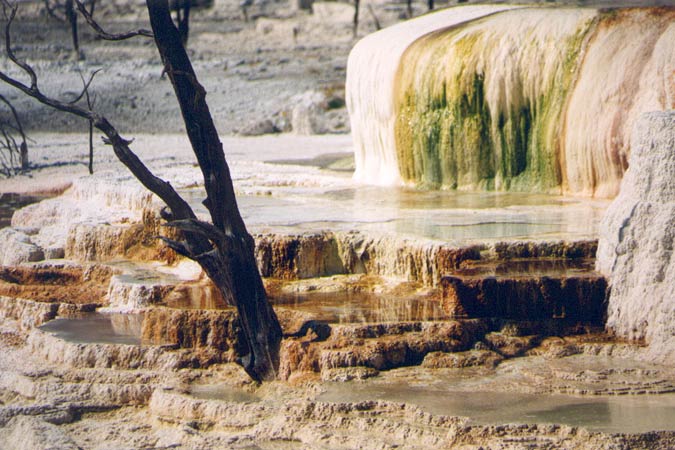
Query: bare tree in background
64, 11
13, 143
373, 16
72, 21
222, 247
182, 10
355, 21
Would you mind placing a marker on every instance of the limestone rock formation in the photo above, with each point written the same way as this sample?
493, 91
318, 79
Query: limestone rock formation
637, 240
567, 298
25, 433
545, 106
472, 358
96, 219
305, 116
17, 247
314, 255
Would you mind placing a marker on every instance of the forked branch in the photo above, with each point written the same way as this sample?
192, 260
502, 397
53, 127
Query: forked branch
9, 11
104, 34
13, 153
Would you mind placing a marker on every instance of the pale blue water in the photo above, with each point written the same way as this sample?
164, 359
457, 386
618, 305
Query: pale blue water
445, 215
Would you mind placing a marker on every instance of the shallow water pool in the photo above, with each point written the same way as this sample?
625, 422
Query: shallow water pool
97, 328
361, 307
609, 414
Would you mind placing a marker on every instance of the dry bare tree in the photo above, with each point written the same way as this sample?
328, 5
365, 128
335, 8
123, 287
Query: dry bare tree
64, 11
376, 21
355, 20
182, 10
222, 247
13, 143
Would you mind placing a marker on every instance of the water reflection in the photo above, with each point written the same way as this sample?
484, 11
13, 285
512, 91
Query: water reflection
446, 215
97, 328
221, 392
408, 198
474, 231
360, 307
622, 414
563, 267
200, 296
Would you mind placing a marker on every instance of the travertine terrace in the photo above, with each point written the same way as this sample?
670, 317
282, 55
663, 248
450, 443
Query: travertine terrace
412, 317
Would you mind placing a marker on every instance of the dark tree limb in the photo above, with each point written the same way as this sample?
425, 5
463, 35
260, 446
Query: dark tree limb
183, 19
179, 247
84, 93
10, 143
9, 12
90, 106
376, 21
51, 11
231, 265
72, 20
202, 228
88, 17
355, 20
92, 8
15, 115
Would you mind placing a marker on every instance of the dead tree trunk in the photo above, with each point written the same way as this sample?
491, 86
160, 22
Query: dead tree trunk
355, 21
71, 17
376, 21
10, 145
230, 263
183, 19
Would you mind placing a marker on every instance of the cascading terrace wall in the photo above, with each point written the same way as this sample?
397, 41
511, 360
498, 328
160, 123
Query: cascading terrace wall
509, 98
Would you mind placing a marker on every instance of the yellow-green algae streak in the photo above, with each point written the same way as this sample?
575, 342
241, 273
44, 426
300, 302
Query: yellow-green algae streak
529, 99
480, 106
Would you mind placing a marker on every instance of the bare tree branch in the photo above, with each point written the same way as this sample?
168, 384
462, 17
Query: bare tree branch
85, 88
52, 12
72, 21
8, 42
102, 33
203, 228
18, 126
12, 147
177, 246
85, 91
93, 7
376, 21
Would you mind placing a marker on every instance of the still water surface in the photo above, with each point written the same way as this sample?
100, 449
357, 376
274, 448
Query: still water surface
97, 328
610, 414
